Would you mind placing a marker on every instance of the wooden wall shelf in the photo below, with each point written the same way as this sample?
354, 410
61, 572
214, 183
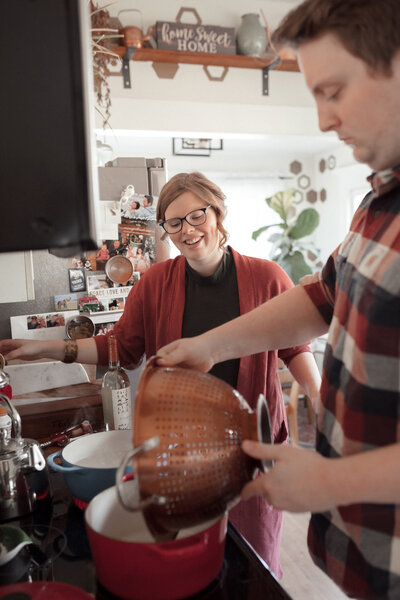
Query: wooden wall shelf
203, 58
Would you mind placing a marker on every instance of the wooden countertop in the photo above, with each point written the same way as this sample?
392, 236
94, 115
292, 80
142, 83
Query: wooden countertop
48, 412
60, 397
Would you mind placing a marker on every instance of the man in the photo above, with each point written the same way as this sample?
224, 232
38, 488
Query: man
147, 211
118, 248
349, 52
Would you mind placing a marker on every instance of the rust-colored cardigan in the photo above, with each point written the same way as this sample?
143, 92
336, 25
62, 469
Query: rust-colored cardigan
153, 318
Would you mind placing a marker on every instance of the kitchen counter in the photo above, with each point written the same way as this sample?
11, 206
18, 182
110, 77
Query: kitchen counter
244, 576
48, 412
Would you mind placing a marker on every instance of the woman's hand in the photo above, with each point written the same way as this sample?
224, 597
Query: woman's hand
187, 352
300, 481
31, 349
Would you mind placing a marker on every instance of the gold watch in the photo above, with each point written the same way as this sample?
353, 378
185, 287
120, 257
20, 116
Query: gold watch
70, 351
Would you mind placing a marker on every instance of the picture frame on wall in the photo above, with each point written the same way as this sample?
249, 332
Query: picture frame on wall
77, 280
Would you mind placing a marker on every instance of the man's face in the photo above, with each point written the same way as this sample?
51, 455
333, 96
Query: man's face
360, 105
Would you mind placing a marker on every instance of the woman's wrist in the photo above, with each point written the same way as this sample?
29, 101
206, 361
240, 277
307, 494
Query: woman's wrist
54, 349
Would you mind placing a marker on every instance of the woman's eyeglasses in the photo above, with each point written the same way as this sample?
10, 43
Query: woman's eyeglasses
194, 217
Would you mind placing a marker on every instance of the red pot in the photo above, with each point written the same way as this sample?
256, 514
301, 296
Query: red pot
131, 565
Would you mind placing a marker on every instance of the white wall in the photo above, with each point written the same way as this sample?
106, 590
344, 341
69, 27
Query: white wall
274, 129
190, 101
341, 183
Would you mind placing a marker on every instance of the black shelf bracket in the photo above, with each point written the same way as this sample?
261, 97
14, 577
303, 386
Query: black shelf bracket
126, 74
265, 75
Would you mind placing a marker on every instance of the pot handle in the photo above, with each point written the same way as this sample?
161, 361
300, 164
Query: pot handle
149, 444
60, 468
264, 429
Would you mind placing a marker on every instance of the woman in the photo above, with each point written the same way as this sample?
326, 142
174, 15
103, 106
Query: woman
141, 263
208, 284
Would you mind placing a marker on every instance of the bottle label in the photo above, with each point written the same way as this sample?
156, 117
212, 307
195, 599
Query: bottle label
121, 403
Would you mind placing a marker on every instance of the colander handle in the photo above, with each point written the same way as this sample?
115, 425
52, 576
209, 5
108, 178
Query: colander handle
149, 444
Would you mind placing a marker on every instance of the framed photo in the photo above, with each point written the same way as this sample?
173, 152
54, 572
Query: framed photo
66, 302
97, 280
103, 328
36, 322
195, 146
117, 303
55, 320
77, 280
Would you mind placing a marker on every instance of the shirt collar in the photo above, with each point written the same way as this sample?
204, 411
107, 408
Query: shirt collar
384, 181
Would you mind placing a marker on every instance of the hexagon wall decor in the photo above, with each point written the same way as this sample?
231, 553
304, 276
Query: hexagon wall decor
295, 167
311, 196
304, 181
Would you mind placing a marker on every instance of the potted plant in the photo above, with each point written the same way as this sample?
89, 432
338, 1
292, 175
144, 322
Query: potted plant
288, 248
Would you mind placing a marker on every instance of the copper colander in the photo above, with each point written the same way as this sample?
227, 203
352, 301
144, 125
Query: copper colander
190, 426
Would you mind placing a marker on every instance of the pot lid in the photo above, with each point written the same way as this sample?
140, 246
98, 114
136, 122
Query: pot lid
43, 590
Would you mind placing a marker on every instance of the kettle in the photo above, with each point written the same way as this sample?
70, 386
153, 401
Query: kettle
24, 482
133, 36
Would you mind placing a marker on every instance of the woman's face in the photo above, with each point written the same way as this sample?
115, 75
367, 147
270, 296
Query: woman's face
199, 244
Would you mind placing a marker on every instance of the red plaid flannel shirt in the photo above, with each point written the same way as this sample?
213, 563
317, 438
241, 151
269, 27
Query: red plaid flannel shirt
358, 294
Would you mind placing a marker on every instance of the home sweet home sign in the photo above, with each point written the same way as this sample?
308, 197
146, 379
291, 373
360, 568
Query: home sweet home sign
187, 37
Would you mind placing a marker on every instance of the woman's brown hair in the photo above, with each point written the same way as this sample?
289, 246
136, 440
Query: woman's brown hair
368, 29
198, 184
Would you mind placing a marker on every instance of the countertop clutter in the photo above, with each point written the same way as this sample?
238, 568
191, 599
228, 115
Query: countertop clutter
45, 413
59, 551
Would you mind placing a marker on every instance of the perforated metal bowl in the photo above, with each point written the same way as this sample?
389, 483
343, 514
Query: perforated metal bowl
187, 434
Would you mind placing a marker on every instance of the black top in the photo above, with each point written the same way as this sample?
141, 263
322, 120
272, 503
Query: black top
211, 301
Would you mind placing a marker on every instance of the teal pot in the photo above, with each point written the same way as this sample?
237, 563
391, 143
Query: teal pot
251, 37
90, 462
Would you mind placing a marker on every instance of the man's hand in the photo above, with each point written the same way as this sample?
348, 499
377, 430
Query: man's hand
300, 480
188, 352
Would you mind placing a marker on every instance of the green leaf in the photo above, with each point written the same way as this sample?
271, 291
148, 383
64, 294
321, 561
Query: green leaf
305, 224
281, 202
258, 232
295, 266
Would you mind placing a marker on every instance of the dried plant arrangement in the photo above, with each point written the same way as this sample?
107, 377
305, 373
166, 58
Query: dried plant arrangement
103, 57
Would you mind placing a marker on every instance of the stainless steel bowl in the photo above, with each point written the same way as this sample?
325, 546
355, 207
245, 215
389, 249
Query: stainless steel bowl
79, 327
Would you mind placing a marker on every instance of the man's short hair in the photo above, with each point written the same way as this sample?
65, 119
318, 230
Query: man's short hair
368, 29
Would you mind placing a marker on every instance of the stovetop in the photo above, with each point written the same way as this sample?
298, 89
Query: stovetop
244, 576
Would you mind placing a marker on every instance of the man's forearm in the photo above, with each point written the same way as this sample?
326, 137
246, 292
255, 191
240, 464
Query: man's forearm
287, 320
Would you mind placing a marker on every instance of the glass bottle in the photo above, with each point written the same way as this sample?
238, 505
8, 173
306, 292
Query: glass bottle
116, 391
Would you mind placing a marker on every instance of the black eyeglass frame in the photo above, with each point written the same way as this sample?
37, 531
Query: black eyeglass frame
181, 219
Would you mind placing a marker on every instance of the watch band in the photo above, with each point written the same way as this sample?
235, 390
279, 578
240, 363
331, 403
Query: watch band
70, 351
